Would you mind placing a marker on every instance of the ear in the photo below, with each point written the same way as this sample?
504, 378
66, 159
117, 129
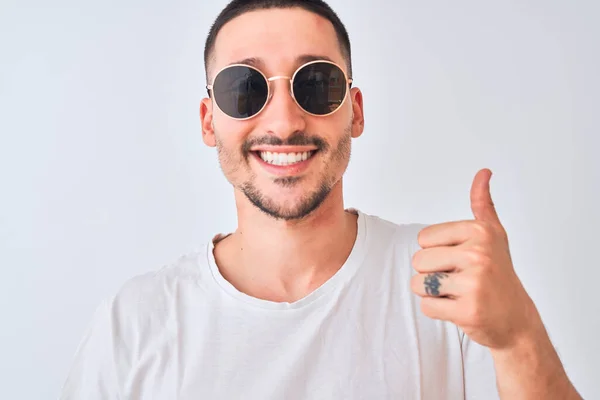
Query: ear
358, 121
206, 121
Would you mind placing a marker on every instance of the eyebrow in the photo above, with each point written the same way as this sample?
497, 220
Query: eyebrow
303, 59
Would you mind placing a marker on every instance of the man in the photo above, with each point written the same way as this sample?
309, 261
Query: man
306, 299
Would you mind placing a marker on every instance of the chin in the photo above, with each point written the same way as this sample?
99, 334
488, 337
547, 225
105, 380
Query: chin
287, 203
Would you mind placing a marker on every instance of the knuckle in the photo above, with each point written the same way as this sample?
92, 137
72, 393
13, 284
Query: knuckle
416, 259
478, 256
414, 281
426, 308
421, 236
477, 288
475, 256
483, 231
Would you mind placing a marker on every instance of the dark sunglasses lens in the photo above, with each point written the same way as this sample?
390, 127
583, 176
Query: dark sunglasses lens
240, 91
320, 88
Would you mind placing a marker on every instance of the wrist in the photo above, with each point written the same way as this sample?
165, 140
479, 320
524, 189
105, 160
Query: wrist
532, 362
528, 333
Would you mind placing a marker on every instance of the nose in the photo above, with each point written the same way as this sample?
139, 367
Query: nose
282, 117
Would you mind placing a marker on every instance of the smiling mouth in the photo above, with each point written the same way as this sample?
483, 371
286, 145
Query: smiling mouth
283, 159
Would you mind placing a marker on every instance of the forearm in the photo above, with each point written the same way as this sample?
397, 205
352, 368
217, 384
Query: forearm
532, 370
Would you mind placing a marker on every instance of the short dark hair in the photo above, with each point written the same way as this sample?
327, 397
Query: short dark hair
238, 7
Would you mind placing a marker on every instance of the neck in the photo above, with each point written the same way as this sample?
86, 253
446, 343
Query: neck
285, 260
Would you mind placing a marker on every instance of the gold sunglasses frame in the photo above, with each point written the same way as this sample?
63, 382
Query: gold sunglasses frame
209, 88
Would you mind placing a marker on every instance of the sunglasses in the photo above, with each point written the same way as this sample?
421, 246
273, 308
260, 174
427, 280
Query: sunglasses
242, 91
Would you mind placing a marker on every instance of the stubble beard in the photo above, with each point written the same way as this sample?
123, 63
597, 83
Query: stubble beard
310, 201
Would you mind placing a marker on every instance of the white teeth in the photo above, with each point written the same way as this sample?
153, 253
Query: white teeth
285, 158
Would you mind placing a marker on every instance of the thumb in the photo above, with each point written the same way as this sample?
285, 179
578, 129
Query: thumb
482, 205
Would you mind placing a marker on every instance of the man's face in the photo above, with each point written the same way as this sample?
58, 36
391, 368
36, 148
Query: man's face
280, 40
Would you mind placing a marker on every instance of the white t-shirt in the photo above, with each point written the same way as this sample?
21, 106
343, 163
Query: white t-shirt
184, 332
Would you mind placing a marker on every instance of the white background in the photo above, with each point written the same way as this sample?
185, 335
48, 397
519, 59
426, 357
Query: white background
103, 174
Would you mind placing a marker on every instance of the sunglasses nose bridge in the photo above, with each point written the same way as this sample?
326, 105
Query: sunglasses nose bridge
274, 78
279, 77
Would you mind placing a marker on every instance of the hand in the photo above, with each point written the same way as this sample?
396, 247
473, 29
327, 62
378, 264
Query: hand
466, 275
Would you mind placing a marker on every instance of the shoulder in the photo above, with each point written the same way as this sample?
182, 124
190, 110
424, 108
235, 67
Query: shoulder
126, 324
185, 268
385, 234
154, 291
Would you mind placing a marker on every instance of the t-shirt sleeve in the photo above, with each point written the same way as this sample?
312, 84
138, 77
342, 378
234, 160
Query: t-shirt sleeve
479, 371
92, 375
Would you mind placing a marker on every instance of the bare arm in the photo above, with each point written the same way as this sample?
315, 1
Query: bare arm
531, 369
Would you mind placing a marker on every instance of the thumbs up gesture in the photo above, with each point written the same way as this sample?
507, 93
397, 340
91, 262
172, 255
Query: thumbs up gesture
466, 275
